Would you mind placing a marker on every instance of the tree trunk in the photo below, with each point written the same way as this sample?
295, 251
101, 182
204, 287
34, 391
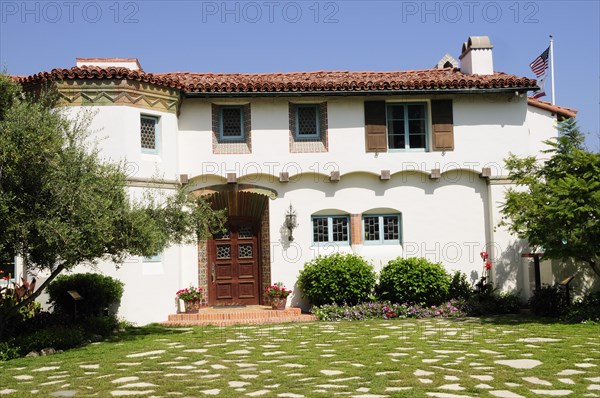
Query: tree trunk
594, 266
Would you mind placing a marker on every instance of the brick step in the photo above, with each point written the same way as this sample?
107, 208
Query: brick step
227, 316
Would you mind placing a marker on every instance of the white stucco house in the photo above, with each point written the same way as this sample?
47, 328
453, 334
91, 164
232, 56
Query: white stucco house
383, 164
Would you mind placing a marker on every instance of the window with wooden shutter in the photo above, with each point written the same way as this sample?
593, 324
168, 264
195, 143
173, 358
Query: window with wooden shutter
442, 125
375, 126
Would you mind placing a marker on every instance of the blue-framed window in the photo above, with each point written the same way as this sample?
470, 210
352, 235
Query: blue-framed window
407, 126
7, 268
331, 229
153, 259
231, 123
308, 121
149, 134
382, 229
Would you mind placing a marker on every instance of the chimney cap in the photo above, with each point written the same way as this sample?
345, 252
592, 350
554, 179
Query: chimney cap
476, 43
131, 63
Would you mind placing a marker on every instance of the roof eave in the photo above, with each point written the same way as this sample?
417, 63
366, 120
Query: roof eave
192, 94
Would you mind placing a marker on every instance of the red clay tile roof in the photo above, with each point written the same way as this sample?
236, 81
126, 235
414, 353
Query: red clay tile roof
559, 110
298, 82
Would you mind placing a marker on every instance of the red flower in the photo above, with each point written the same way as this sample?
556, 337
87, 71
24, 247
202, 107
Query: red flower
488, 265
5, 278
484, 255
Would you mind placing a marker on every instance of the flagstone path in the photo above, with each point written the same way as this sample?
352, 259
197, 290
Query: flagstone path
433, 358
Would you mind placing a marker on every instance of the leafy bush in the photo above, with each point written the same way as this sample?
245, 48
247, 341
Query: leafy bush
337, 278
386, 310
493, 303
57, 337
100, 325
548, 301
98, 292
415, 280
460, 287
8, 351
585, 310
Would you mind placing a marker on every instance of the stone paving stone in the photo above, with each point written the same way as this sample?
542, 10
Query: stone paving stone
290, 395
138, 385
125, 379
331, 372
65, 393
505, 394
23, 377
535, 380
520, 363
46, 369
554, 393
214, 391
447, 395
258, 393
570, 372
7, 391
120, 393
145, 354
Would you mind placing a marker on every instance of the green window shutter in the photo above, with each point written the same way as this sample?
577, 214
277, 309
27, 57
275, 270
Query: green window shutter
443, 125
375, 126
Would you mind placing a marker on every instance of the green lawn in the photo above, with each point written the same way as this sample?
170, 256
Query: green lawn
408, 358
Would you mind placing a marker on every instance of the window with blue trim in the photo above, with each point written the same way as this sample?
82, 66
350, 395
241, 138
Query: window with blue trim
149, 134
7, 268
231, 123
407, 126
381, 229
331, 229
153, 259
308, 121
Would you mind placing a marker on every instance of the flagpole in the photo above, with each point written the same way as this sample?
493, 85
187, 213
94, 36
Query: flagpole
552, 68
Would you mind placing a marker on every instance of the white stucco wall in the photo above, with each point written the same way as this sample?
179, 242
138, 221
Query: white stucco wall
449, 220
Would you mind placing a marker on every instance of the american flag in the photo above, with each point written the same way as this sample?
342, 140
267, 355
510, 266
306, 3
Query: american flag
540, 64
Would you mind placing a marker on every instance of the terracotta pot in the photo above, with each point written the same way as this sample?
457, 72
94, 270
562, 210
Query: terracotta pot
278, 303
192, 307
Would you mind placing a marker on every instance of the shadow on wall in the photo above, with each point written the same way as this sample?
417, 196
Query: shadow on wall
298, 300
585, 280
510, 271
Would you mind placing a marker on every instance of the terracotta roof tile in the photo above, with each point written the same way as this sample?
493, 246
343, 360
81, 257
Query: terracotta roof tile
293, 82
559, 110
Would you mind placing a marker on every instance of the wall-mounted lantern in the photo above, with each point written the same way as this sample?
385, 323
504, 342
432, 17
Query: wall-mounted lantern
290, 222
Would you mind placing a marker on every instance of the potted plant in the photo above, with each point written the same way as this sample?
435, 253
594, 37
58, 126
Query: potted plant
277, 294
191, 298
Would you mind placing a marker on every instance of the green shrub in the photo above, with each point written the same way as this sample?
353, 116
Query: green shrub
413, 280
8, 351
585, 310
337, 278
101, 325
548, 301
493, 303
98, 292
460, 287
57, 337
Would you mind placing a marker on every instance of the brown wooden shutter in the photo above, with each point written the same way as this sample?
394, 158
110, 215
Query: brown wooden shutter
375, 126
443, 125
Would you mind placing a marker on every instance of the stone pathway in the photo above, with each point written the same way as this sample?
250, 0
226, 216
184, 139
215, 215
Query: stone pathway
432, 358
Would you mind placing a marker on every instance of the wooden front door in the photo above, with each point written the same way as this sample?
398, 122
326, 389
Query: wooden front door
233, 265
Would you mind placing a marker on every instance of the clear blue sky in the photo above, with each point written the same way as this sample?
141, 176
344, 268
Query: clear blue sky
274, 36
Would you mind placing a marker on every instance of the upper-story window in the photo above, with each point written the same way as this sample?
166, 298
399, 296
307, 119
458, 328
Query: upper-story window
406, 126
307, 121
394, 126
149, 134
308, 127
331, 229
231, 123
381, 229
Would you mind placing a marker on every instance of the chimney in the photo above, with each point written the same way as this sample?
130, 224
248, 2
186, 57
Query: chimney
476, 57
130, 63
